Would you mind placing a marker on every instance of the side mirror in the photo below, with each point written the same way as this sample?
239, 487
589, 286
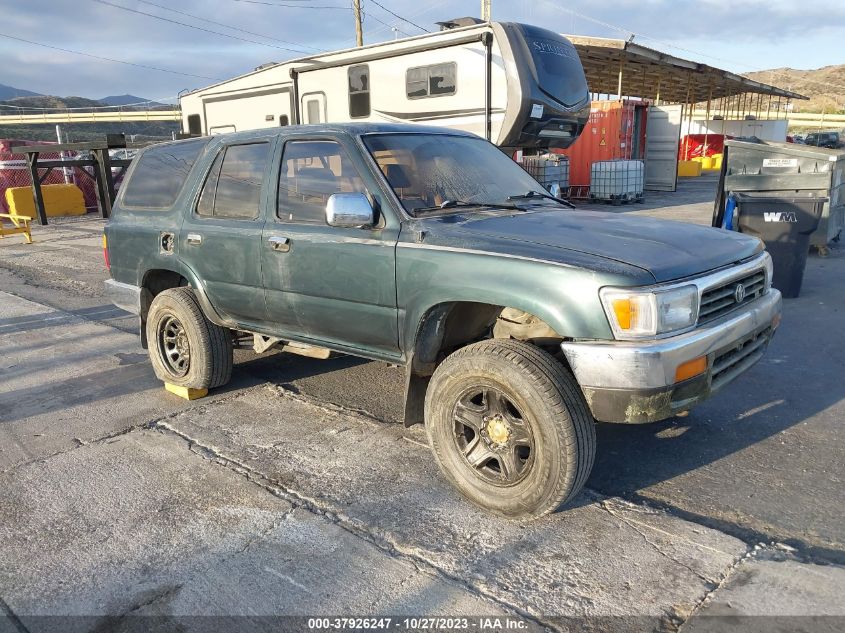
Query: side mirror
350, 210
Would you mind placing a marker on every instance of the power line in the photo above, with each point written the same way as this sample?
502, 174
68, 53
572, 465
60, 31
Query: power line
294, 6
390, 26
234, 28
396, 15
198, 28
108, 59
626, 31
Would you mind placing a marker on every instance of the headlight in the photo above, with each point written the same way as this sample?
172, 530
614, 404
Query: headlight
770, 269
643, 313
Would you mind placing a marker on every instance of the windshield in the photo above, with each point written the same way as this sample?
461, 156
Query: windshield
428, 170
557, 66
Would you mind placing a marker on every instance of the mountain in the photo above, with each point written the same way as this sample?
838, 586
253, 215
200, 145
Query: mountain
121, 100
7, 92
48, 101
825, 86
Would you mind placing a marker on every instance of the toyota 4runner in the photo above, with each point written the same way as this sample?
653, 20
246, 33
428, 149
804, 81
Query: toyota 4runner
519, 321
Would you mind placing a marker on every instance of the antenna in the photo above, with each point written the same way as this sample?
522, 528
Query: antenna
486, 10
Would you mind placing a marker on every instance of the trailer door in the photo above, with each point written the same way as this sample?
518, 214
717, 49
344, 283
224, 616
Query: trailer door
663, 136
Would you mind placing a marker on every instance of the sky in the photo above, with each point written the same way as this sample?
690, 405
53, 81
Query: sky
738, 35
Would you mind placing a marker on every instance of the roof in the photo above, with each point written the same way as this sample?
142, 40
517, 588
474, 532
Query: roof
647, 72
354, 129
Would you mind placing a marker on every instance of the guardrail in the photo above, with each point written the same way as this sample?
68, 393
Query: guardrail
796, 119
119, 116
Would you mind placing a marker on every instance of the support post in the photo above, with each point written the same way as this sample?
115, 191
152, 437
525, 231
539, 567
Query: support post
619, 83
486, 10
359, 33
37, 194
104, 182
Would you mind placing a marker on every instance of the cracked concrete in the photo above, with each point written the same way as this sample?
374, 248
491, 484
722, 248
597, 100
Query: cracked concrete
117, 498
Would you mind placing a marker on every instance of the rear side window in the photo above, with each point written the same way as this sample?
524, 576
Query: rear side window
161, 173
232, 188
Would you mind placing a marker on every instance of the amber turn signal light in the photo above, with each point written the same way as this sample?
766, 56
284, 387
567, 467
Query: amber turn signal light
691, 368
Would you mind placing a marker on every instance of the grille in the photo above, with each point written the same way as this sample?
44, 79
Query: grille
732, 362
721, 300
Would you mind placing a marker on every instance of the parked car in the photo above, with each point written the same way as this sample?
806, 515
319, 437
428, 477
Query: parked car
798, 138
518, 320
823, 139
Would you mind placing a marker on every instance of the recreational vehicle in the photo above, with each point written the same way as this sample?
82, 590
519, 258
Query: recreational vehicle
517, 85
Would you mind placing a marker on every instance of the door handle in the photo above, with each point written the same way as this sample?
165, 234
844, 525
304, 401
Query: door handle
279, 243
194, 238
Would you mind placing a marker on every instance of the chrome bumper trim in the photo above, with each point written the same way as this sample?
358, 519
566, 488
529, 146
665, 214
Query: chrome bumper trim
124, 296
652, 364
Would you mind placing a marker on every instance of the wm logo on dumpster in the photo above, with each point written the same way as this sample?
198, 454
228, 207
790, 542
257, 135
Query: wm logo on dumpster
781, 216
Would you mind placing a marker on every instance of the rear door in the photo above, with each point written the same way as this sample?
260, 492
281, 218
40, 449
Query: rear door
663, 137
323, 283
220, 239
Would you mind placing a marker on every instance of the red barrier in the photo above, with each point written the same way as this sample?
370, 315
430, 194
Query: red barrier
15, 173
692, 145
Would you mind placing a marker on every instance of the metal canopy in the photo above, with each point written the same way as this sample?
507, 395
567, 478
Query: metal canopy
628, 69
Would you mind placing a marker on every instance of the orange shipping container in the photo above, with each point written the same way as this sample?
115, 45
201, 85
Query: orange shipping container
616, 130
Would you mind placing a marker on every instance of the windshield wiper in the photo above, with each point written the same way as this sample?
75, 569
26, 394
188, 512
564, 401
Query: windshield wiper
451, 204
538, 194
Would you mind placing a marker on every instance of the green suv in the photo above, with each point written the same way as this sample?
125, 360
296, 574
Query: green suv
519, 321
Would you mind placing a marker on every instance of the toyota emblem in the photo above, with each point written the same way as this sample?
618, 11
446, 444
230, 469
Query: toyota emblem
739, 293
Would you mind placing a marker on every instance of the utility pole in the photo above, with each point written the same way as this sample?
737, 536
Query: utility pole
485, 10
359, 33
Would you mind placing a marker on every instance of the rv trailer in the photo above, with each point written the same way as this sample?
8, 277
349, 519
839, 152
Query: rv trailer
517, 85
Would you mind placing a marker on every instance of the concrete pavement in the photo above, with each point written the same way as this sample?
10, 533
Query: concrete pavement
293, 490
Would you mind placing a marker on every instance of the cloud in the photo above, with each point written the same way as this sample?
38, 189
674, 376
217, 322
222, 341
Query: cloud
754, 33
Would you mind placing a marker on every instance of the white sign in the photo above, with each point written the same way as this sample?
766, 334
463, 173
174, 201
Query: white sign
780, 162
537, 111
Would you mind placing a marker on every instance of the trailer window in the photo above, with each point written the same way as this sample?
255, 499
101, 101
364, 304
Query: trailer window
311, 172
431, 81
233, 186
160, 174
359, 91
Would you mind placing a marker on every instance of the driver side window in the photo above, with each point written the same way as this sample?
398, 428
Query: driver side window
312, 171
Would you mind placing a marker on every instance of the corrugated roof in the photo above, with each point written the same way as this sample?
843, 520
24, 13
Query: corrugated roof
647, 72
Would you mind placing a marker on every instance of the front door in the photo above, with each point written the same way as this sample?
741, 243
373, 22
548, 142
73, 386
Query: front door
323, 283
221, 239
663, 135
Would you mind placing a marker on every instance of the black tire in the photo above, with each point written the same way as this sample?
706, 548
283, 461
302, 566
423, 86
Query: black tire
175, 325
541, 399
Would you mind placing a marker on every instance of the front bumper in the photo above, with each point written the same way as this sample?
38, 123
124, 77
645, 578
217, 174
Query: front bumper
634, 381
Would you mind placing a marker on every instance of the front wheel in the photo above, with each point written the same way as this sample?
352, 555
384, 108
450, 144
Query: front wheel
509, 428
187, 349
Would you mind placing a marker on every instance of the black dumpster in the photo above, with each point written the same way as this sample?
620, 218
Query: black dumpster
785, 224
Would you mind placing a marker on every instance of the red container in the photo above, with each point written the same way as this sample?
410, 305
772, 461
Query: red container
693, 145
616, 130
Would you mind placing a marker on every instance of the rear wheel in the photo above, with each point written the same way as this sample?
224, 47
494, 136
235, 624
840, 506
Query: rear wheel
187, 349
509, 428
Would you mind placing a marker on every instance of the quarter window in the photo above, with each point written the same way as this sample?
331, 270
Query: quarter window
359, 91
431, 81
233, 186
160, 174
311, 172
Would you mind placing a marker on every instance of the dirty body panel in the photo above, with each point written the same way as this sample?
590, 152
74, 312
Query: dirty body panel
384, 290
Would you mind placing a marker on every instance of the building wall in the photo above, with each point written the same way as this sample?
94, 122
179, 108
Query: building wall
766, 130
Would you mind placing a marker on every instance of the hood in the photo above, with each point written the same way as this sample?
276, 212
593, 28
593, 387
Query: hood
667, 249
